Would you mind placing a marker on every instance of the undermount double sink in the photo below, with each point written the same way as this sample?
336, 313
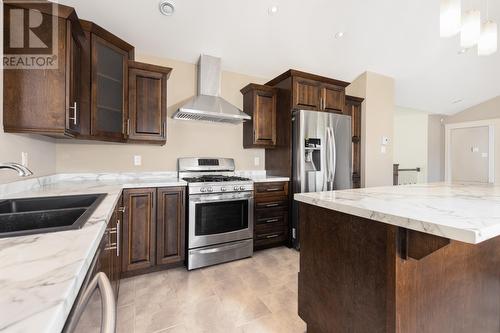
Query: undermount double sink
28, 216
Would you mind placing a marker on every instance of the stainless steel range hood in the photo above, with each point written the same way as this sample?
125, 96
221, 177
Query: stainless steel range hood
208, 105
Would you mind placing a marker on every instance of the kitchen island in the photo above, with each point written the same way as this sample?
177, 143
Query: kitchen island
406, 259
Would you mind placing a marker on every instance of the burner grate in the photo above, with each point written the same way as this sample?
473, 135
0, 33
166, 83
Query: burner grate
214, 179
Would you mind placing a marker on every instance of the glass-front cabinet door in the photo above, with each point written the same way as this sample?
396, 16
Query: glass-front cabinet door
109, 77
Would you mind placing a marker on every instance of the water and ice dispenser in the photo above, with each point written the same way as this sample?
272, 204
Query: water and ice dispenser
312, 154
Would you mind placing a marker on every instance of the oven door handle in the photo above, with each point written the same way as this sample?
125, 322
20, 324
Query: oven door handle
218, 199
219, 249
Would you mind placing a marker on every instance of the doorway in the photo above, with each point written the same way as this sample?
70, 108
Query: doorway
469, 152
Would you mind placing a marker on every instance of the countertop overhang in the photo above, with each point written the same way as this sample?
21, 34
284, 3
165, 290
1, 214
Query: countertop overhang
463, 212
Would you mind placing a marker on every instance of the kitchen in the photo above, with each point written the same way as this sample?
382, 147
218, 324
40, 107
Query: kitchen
179, 178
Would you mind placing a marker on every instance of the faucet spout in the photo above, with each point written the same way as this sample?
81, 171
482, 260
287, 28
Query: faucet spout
21, 170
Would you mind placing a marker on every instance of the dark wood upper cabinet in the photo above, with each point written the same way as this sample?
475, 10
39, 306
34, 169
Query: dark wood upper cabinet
147, 102
314, 92
170, 226
106, 99
353, 109
306, 94
332, 98
139, 229
46, 101
260, 103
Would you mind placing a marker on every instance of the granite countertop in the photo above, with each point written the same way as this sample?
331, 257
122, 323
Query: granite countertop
463, 212
40, 275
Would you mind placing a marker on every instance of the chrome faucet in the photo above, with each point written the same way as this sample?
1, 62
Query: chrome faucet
22, 171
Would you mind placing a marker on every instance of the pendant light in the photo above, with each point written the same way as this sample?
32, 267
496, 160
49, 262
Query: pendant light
471, 29
450, 17
488, 41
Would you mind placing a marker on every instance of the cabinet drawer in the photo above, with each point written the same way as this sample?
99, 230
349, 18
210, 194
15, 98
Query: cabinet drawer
270, 238
270, 216
271, 189
271, 204
269, 228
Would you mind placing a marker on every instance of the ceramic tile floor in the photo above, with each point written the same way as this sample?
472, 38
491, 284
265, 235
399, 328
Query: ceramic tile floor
258, 294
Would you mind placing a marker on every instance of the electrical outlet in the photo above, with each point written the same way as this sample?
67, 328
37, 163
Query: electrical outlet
385, 140
24, 159
137, 160
256, 161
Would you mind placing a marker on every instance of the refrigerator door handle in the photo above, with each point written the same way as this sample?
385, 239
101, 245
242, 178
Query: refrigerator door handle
334, 155
326, 177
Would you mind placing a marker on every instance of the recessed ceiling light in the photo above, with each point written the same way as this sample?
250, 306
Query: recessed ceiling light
273, 10
167, 7
462, 51
457, 101
339, 35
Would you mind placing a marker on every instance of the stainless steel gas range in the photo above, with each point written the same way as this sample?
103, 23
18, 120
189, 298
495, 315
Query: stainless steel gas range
220, 211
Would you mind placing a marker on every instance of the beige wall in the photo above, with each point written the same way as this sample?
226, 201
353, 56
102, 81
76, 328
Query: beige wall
184, 138
377, 122
41, 151
410, 142
489, 110
435, 148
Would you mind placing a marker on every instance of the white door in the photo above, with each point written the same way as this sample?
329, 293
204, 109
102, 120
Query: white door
469, 154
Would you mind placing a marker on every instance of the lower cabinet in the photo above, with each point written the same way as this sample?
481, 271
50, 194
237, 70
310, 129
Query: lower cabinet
109, 260
170, 226
153, 229
271, 215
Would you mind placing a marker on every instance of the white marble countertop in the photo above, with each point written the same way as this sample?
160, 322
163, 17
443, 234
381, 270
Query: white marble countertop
464, 212
40, 275
269, 179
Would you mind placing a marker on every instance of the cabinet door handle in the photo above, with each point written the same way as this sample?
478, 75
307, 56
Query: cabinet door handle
122, 209
75, 113
128, 126
118, 234
272, 220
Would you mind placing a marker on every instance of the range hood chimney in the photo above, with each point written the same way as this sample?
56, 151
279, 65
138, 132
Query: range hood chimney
208, 105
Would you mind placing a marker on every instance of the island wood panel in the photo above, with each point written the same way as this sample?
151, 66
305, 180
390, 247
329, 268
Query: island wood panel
353, 278
139, 229
343, 270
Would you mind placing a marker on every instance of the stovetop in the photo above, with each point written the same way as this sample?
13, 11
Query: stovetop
215, 179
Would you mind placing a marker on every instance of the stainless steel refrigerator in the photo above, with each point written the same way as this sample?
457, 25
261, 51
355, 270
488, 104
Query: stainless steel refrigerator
322, 156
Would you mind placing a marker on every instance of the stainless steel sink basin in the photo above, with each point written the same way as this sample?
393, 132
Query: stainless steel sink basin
41, 215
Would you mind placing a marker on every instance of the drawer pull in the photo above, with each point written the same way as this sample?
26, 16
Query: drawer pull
272, 205
274, 189
272, 236
112, 246
272, 220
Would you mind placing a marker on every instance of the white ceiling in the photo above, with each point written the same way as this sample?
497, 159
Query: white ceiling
398, 38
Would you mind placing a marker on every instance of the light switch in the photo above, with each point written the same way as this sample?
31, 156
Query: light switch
137, 160
475, 149
385, 140
484, 155
256, 161
383, 149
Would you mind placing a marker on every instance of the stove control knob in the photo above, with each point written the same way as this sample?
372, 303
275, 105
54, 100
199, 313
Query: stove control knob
210, 189
223, 189
236, 188
242, 188
203, 190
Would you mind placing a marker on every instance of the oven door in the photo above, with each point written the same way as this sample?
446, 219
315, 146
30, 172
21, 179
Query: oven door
220, 218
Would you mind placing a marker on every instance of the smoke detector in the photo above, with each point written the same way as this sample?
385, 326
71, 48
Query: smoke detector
167, 7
